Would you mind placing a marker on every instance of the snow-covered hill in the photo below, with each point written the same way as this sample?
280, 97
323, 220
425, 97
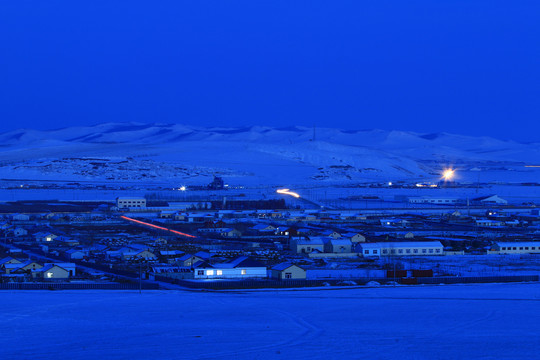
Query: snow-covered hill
254, 155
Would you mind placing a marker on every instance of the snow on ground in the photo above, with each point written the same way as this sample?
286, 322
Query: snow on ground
259, 155
490, 321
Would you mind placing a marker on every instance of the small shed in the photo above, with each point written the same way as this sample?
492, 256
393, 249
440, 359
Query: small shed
287, 271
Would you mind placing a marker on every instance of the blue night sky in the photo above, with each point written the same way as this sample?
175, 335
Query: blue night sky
469, 67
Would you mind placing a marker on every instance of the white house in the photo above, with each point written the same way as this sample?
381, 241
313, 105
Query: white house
239, 268
491, 199
523, 247
287, 271
488, 222
338, 246
299, 245
406, 248
433, 200
130, 202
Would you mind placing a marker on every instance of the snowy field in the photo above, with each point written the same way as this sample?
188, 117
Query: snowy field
491, 321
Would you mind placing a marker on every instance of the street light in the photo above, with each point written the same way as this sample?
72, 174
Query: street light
448, 174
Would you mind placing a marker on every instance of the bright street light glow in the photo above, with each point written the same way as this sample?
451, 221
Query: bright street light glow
287, 192
182, 188
448, 174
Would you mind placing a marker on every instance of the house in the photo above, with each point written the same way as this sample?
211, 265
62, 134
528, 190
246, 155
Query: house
51, 272
44, 236
406, 248
230, 233
263, 228
139, 254
20, 232
8, 260
170, 256
488, 223
22, 268
239, 268
433, 200
394, 222
167, 214
354, 237
519, 247
331, 233
338, 246
287, 271
490, 199
189, 260
66, 241
130, 202
305, 246
76, 254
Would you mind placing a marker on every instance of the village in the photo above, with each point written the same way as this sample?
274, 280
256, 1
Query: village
268, 244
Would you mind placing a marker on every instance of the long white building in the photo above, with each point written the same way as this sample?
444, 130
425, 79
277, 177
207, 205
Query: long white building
130, 202
406, 248
523, 247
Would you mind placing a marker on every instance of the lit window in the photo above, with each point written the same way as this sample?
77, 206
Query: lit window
209, 272
49, 275
219, 272
243, 272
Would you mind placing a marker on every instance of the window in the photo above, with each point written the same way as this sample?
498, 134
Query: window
209, 272
200, 272
400, 251
503, 248
219, 272
393, 251
526, 248
521, 248
374, 251
415, 251
385, 251
288, 275
424, 251
438, 251
431, 251
533, 248
514, 248
243, 272
408, 251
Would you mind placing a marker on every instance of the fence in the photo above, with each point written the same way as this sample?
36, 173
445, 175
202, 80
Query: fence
477, 279
77, 286
265, 283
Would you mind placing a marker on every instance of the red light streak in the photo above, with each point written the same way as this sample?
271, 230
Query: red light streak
157, 227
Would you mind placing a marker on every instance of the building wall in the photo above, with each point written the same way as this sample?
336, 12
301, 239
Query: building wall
403, 251
231, 273
295, 271
517, 248
131, 202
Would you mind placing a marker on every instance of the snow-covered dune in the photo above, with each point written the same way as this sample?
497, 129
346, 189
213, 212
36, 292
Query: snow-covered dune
256, 154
